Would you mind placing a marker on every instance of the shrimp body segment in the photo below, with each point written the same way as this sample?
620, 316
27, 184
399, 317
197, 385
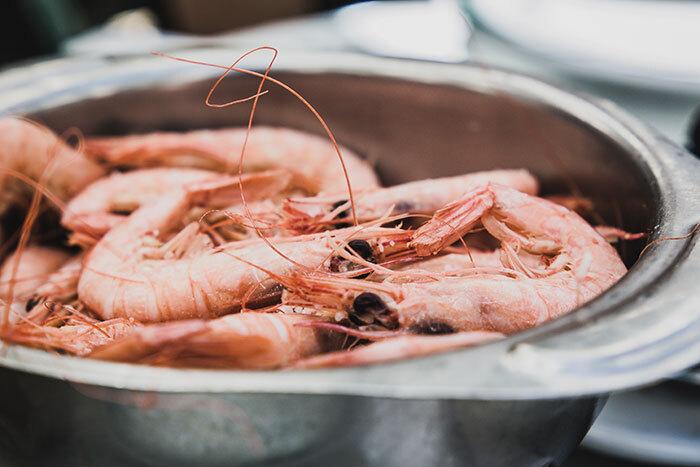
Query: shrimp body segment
310, 158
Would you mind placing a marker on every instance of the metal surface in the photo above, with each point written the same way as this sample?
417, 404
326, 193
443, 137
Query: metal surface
526, 400
54, 423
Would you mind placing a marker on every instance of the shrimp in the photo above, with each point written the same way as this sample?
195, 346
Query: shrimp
419, 197
35, 152
247, 340
76, 334
118, 281
576, 265
49, 324
311, 159
36, 263
398, 348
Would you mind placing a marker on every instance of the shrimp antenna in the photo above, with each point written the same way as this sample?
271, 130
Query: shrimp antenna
255, 98
265, 77
692, 232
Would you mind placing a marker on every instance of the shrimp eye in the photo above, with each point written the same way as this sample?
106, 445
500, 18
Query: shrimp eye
32, 302
368, 308
342, 214
363, 249
368, 302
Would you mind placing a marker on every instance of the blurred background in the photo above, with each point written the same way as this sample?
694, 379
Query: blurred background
639, 54
32, 28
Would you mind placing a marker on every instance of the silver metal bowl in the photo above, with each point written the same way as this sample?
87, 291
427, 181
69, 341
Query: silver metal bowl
527, 400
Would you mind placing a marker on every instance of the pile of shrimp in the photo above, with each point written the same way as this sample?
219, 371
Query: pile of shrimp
262, 248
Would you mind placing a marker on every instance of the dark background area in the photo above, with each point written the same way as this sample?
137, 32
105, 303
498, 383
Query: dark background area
33, 28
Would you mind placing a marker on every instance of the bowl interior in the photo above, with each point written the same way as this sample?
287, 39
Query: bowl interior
410, 130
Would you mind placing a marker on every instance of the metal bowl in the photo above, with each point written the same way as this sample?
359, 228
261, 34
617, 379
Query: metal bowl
527, 400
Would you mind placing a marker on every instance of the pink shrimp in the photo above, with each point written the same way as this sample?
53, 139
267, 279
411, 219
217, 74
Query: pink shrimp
398, 348
246, 340
30, 150
419, 197
72, 332
576, 265
45, 322
311, 159
118, 281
